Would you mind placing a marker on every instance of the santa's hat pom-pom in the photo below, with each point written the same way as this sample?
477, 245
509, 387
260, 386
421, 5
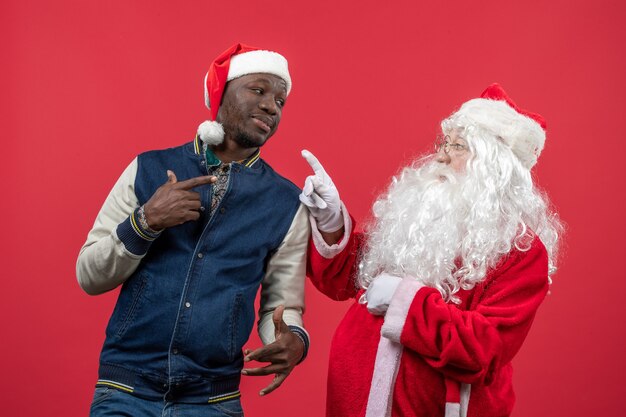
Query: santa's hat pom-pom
211, 132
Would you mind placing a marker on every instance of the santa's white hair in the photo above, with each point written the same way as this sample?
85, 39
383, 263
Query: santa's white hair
447, 229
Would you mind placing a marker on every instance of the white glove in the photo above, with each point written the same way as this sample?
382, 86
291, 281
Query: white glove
321, 197
379, 293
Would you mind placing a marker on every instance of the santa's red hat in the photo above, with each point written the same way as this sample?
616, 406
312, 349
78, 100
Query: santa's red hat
524, 132
236, 61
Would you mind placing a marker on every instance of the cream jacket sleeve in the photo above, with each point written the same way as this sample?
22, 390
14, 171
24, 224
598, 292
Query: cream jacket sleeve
104, 262
285, 277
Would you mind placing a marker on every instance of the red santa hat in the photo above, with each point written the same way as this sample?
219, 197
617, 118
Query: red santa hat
524, 132
236, 61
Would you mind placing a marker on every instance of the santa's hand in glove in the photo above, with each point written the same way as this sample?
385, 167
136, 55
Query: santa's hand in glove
321, 197
379, 293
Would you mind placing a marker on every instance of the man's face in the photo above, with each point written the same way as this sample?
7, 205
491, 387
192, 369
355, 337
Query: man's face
454, 152
251, 108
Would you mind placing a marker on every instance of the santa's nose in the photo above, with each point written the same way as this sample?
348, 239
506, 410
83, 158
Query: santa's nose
442, 157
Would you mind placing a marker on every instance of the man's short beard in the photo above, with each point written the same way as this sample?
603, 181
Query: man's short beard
244, 140
232, 127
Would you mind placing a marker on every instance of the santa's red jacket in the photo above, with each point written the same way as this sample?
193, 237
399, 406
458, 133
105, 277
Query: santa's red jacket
453, 359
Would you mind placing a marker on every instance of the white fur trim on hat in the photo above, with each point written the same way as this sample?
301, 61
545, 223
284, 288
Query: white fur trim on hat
259, 61
521, 133
207, 102
211, 132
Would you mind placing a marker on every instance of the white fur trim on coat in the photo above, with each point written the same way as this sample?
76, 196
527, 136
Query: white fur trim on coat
330, 251
399, 308
389, 353
380, 399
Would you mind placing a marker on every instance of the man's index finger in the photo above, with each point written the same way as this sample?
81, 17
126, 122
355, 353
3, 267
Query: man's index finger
195, 182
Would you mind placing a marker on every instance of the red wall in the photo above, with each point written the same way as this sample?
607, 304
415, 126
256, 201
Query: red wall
86, 85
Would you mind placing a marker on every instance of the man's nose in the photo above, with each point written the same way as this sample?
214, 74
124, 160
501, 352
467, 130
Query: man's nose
269, 104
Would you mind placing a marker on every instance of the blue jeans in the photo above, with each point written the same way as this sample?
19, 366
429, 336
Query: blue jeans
109, 402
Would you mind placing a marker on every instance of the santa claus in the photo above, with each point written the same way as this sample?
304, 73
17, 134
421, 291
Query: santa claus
448, 276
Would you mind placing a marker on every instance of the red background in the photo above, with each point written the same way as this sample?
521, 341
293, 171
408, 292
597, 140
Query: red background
86, 85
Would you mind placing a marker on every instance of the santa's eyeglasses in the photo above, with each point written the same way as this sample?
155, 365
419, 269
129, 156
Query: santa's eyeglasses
443, 141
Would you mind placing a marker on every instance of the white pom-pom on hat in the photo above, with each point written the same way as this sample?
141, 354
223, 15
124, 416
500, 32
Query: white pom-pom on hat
211, 132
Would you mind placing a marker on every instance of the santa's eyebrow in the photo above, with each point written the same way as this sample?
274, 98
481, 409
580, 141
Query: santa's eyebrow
457, 139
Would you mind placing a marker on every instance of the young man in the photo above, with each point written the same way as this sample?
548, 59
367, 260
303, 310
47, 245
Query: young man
449, 275
191, 233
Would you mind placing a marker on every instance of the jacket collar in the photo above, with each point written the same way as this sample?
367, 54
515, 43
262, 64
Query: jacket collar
213, 160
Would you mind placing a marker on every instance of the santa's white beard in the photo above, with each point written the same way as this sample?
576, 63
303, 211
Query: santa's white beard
419, 228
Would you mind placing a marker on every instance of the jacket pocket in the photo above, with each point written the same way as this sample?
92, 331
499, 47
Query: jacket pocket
234, 345
128, 304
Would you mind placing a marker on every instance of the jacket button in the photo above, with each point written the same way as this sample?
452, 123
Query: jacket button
200, 255
175, 351
222, 210
187, 304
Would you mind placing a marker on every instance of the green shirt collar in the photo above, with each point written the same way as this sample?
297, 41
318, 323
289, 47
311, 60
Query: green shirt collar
213, 160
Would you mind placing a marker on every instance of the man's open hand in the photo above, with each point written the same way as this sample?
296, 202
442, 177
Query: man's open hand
283, 354
174, 203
